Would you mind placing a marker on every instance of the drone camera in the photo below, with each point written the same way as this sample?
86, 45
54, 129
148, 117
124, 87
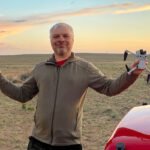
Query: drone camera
142, 52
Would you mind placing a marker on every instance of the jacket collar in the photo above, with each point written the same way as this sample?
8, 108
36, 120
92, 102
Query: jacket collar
52, 60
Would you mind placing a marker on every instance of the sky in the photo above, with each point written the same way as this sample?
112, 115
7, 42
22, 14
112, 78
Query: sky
100, 26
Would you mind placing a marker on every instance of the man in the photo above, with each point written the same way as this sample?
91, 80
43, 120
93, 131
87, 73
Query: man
61, 84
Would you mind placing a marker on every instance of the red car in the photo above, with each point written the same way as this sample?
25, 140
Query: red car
133, 131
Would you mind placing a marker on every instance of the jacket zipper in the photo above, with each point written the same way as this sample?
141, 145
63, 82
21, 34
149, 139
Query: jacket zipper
58, 72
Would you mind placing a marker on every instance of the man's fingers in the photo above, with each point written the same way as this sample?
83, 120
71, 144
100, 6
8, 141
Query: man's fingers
135, 64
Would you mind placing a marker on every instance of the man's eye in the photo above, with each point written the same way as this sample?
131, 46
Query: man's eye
65, 35
56, 36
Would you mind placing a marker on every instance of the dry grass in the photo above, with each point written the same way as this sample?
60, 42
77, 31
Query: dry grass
101, 113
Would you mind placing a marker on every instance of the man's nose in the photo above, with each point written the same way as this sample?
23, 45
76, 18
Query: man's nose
61, 38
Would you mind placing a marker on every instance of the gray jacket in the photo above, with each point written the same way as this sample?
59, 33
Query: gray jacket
61, 92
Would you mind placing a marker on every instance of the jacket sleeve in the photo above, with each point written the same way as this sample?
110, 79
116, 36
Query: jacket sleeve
104, 85
21, 93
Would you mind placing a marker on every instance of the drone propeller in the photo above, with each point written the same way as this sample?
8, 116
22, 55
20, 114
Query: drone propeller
125, 55
148, 78
128, 69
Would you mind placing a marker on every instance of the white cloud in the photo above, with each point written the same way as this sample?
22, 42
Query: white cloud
8, 26
134, 10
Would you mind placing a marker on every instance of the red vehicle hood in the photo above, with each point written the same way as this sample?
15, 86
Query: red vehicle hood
133, 131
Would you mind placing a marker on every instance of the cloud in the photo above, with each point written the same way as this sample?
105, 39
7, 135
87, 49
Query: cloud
49, 17
8, 29
8, 26
2, 31
134, 10
19, 21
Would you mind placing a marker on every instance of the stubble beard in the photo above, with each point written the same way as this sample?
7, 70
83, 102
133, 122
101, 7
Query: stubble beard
61, 51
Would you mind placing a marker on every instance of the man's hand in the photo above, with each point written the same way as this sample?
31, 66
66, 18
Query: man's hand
137, 65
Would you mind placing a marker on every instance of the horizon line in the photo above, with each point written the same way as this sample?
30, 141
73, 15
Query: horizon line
52, 53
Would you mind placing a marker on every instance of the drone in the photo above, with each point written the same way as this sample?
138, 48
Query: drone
141, 56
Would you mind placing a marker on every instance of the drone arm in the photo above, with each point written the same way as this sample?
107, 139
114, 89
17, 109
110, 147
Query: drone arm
148, 78
129, 72
126, 54
148, 54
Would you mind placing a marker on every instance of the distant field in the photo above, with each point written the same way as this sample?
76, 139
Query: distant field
101, 113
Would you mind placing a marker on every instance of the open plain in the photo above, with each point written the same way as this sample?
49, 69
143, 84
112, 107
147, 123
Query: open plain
101, 113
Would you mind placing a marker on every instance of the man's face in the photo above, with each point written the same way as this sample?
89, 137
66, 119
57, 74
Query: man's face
61, 40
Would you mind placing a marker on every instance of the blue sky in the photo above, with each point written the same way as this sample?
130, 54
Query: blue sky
17, 8
100, 25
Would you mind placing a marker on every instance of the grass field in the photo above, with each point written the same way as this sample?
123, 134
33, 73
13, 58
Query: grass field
101, 113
